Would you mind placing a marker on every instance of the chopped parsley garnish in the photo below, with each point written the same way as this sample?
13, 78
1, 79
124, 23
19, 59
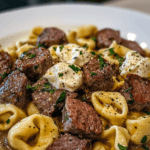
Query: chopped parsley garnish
61, 97
102, 63
128, 89
31, 88
145, 147
20, 58
122, 147
106, 127
61, 47
85, 46
42, 45
130, 101
129, 69
66, 117
54, 48
131, 95
84, 99
74, 68
32, 55
148, 77
144, 139
4, 75
120, 59
137, 66
61, 74
93, 38
8, 121
35, 67
47, 84
147, 112
93, 53
81, 53
25, 53
56, 107
93, 73
75, 57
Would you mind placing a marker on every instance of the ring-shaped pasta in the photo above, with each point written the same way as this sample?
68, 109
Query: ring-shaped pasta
52, 50
138, 127
35, 132
115, 136
32, 109
117, 83
82, 35
110, 105
100, 146
10, 115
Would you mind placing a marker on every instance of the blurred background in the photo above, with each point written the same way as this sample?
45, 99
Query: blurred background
139, 5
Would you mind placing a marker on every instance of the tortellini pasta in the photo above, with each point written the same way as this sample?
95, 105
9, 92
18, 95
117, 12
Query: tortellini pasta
10, 115
114, 137
52, 50
32, 109
110, 105
117, 83
35, 132
83, 35
138, 127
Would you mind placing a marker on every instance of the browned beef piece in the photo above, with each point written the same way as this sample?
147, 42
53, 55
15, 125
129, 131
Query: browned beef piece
34, 63
80, 118
97, 77
52, 36
106, 36
134, 46
45, 96
13, 89
5, 65
136, 91
70, 142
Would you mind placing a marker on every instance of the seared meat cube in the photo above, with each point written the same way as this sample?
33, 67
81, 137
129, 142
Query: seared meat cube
34, 63
5, 65
98, 77
80, 118
106, 36
70, 142
13, 89
136, 91
134, 46
45, 97
52, 36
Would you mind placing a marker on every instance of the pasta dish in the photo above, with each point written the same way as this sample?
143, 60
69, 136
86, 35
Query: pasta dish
87, 89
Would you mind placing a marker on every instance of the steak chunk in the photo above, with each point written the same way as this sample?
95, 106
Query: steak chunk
106, 36
70, 142
34, 63
52, 36
13, 89
136, 91
134, 46
45, 96
5, 65
97, 77
80, 118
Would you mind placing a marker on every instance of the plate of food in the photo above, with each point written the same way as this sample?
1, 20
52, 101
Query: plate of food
74, 77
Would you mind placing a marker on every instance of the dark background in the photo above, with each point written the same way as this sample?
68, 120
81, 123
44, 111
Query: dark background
12, 4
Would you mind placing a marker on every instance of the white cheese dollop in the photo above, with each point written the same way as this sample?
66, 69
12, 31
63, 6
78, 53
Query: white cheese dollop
136, 64
62, 76
73, 54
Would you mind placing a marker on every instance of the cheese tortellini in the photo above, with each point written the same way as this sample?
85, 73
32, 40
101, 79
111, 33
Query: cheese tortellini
114, 138
10, 115
83, 35
139, 127
35, 132
110, 105
32, 109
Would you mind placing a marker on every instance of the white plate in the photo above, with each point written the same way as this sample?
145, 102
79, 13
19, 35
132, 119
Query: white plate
14, 24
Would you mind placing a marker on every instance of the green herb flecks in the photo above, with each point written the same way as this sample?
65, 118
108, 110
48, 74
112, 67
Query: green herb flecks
4, 75
93, 73
66, 117
74, 68
145, 147
93, 38
42, 45
81, 53
122, 147
61, 47
31, 88
130, 101
102, 62
147, 112
61, 74
61, 97
128, 89
35, 67
106, 127
85, 46
144, 139
25, 53
31, 56
93, 53
84, 99
54, 48
8, 121
75, 57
